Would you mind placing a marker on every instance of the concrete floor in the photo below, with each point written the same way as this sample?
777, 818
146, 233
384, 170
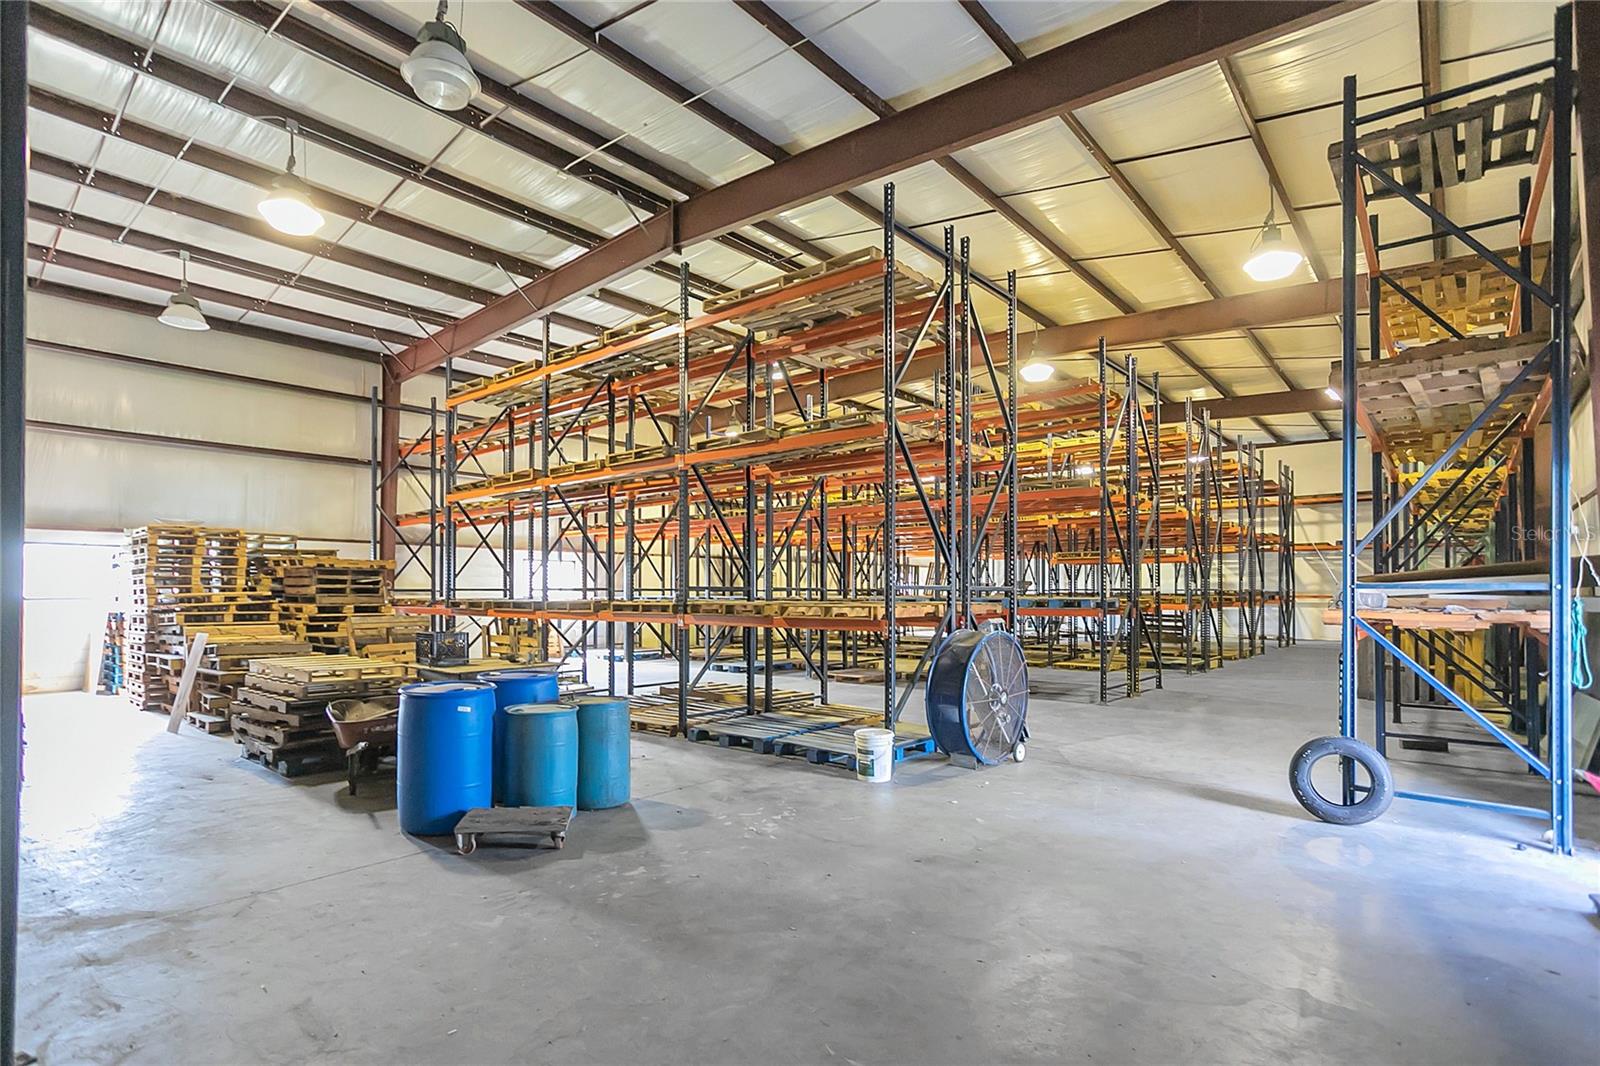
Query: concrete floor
1142, 889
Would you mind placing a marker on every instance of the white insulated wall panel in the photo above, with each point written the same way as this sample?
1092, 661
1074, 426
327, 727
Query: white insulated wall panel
88, 482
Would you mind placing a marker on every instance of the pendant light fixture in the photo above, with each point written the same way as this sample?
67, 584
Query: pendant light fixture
1271, 257
182, 310
287, 207
437, 69
1035, 371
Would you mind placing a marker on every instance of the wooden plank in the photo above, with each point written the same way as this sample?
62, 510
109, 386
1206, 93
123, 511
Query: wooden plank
191, 667
1475, 148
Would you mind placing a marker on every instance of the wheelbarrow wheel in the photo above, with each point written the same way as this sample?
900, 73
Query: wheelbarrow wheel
354, 761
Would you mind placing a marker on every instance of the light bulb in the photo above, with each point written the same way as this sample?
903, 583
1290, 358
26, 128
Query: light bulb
1037, 370
288, 208
1272, 258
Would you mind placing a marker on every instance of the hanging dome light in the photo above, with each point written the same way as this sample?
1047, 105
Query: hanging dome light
437, 69
287, 207
1271, 257
1036, 370
182, 310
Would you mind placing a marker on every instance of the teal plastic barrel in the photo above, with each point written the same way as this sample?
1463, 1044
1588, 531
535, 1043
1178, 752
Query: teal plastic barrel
541, 756
514, 688
603, 734
444, 754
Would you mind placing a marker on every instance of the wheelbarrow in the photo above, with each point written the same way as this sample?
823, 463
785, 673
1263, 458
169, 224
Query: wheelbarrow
366, 731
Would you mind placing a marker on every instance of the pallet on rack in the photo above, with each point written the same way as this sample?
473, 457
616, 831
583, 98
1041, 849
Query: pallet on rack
1468, 292
1456, 145
1438, 389
731, 695
1458, 617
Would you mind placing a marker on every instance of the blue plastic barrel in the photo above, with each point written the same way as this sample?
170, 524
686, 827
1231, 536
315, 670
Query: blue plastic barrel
541, 767
603, 733
444, 753
511, 688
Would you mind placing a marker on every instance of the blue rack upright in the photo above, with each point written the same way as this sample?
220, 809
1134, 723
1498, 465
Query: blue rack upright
1451, 425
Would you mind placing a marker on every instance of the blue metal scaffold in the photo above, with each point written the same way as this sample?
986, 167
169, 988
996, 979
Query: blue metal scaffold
1449, 412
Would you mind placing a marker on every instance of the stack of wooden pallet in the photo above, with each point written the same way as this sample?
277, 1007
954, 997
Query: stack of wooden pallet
223, 667
171, 567
110, 681
279, 713
329, 601
380, 636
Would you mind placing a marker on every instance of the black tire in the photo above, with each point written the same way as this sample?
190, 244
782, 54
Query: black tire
1371, 805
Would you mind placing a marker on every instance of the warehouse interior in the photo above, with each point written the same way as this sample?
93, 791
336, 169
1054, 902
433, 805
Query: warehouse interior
742, 520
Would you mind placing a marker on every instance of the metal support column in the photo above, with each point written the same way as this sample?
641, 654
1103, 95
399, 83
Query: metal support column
13, 362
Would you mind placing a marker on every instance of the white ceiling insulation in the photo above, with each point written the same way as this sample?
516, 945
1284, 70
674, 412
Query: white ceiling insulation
1038, 27
1182, 143
905, 60
716, 50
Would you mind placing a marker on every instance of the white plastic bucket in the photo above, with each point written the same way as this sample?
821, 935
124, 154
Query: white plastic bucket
874, 754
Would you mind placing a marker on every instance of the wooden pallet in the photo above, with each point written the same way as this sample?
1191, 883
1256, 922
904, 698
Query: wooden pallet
1440, 388
310, 676
857, 676
294, 760
734, 695
279, 734
271, 707
1457, 145
1459, 618
761, 732
659, 714
209, 723
837, 746
1466, 291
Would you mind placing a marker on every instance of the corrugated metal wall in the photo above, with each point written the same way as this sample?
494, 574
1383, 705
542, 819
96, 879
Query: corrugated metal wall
90, 481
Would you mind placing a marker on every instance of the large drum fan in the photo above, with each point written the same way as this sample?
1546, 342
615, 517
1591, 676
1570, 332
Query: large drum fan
977, 696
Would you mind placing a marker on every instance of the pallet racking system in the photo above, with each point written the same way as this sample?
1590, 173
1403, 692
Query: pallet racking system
694, 500
1468, 358
752, 526
1152, 553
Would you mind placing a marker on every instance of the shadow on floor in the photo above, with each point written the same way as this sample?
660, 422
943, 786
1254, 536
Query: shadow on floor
1286, 807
